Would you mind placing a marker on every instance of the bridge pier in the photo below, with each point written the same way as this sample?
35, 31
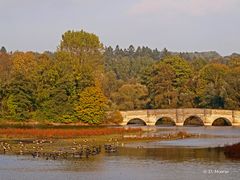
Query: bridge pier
236, 124
236, 118
207, 124
150, 124
179, 124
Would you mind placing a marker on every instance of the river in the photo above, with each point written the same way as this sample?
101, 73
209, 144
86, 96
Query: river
184, 159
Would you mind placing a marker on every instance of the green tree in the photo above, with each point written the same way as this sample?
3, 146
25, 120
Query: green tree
55, 88
159, 79
20, 102
211, 86
79, 60
182, 69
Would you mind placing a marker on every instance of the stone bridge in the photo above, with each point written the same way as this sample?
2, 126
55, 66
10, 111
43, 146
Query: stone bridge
180, 116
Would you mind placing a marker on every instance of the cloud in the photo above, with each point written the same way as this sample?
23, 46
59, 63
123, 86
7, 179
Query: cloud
189, 7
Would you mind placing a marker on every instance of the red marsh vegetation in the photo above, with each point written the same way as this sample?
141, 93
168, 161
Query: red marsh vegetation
63, 133
232, 151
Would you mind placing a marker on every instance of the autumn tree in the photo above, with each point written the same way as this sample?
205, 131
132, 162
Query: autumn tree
92, 105
79, 80
19, 102
76, 66
182, 69
130, 96
198, 64
24, 63
83, 45
232, 99
110, 83
233, 61
5, 67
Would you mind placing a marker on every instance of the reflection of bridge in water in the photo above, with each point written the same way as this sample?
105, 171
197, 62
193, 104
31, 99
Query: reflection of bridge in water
181, 117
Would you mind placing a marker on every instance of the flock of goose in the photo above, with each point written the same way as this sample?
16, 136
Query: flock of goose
36, 150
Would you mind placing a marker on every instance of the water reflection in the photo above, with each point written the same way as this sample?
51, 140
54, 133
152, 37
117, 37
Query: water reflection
127, 163
168, 160
216, 137
174, 154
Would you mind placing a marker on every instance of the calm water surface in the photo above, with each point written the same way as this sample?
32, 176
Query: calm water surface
192, 159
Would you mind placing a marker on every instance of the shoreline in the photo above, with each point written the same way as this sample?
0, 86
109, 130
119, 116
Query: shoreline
19, 145
61, 142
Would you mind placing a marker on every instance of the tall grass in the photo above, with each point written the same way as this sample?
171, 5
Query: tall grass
63, 133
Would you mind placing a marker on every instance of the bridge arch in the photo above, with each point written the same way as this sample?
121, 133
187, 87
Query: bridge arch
165, 121
221, 121
136, 122
182, 116
193, 120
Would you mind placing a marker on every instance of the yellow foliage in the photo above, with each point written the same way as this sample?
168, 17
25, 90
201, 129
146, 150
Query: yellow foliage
23, 62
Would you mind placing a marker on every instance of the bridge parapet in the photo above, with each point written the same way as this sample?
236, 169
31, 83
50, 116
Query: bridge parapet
208, 116
132, 113
163, 111
221, 112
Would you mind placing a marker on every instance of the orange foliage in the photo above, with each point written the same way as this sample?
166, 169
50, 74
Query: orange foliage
24, 62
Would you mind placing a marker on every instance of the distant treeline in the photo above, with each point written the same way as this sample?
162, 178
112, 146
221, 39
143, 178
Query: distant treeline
83, 80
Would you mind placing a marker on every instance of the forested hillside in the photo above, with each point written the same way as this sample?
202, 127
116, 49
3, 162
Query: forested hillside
83, 80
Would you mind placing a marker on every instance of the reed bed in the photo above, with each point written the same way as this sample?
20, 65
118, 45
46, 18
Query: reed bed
63, 133
232, 151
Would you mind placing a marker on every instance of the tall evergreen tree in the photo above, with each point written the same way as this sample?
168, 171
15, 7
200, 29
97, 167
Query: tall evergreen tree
3, 50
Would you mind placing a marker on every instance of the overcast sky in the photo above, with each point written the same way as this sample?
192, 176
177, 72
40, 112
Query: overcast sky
178, 25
